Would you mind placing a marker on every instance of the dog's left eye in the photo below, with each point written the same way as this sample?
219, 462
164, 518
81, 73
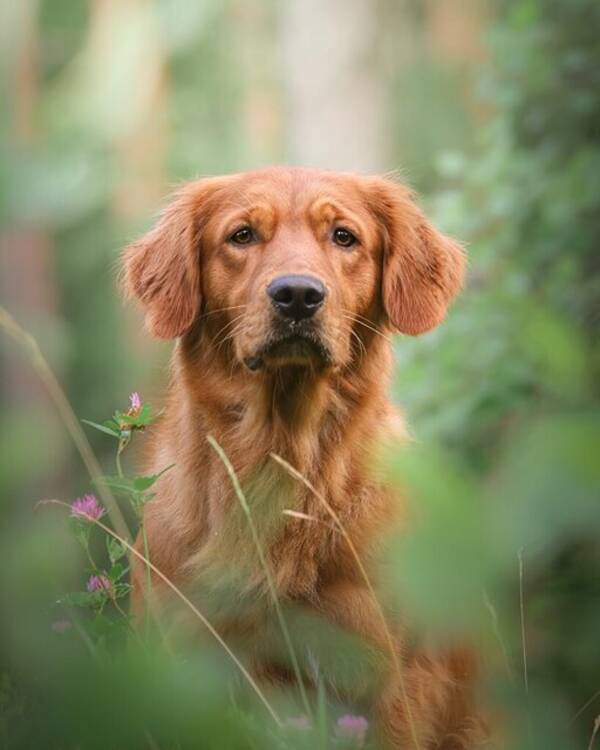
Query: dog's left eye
242, 236
344, 237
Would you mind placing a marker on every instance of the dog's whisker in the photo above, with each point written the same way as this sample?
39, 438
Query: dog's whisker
236, 329
224, 328
232, 322
220, 310
370, 327
362, 348
357, 315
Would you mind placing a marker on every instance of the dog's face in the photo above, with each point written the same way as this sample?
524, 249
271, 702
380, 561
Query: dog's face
295, 258
284, 265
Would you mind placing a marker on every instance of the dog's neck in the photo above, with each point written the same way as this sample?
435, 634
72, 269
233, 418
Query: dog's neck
293, 411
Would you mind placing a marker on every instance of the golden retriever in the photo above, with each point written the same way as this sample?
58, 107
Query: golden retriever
280, 287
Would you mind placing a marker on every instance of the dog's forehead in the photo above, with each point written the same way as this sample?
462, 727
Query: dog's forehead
294, 190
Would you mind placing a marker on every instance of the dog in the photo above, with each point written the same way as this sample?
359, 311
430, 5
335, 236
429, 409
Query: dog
281, 288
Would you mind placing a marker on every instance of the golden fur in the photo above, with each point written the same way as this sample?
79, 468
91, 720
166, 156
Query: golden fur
323, 409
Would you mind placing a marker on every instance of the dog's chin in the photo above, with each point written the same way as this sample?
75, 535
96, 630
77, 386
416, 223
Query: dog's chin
290, 351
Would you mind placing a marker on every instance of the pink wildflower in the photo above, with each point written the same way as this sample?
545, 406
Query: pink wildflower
353, 728
87, 506
98, 583
136, 402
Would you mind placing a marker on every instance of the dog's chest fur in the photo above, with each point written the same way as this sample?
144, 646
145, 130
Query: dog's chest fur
289, 521
329, 445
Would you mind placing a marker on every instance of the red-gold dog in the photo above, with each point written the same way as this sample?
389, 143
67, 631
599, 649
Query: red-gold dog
280, 286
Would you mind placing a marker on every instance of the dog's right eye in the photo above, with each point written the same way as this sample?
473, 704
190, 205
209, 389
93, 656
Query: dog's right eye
242, 236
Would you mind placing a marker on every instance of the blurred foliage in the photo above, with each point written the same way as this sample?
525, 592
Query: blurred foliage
522, 337
504, 395
509, 385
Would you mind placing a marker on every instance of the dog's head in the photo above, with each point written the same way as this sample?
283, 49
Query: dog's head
287, 266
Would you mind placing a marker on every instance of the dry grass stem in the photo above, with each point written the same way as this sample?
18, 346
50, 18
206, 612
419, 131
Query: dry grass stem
390, 641
251, 681
270, 583
41, 366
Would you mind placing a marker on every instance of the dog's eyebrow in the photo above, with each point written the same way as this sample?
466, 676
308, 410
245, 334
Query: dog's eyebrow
256, 211
322, 203
260, 214
328, 208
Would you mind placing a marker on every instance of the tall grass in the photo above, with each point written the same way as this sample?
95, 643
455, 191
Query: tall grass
188, 603
389, 638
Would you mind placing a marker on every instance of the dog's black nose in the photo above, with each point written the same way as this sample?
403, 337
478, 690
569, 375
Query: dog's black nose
296, 297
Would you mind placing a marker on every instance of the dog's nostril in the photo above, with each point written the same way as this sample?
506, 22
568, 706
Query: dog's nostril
314, 297
296, 297
283, 295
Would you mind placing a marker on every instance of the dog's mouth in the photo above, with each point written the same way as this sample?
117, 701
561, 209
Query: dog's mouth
292, 347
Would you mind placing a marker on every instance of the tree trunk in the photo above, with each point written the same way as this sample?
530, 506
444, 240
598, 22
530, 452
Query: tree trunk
334, 86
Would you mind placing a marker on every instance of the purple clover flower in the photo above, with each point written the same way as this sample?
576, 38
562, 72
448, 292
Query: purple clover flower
135, 401
353, 728
98, 583
87, 507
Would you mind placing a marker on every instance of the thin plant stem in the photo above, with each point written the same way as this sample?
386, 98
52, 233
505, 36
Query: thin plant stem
120, 609
89, 644
496, 628
89, 556
41, 366
594, 732
390, 641
68, 417
270, 583
251, 681
122, 612
585, 705
522, 618
148, 571
123, 443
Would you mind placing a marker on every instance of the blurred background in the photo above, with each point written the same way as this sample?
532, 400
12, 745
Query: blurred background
491, 110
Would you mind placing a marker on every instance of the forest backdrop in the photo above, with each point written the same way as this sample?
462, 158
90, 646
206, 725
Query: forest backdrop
491, 111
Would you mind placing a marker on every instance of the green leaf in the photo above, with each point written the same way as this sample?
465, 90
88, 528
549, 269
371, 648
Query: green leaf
116, 572
102, 428
145, 497
115, 549
142, 419
144, 415
82, 529
121, 590
85, 598
143, 483
132, 487
117, 484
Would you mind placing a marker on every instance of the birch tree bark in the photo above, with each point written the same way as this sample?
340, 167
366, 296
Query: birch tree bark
334, 87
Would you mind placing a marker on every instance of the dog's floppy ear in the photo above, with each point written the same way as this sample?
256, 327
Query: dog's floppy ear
423, 270
162, 268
